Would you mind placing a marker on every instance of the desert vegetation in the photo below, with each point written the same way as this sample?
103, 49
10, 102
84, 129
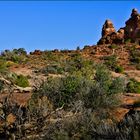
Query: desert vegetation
83, 94
64, 95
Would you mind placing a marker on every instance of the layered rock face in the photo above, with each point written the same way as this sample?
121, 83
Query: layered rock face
130, 31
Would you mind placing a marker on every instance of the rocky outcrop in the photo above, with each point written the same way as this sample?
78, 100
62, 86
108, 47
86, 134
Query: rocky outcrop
131, 31
132, 28
109, 34
108, 28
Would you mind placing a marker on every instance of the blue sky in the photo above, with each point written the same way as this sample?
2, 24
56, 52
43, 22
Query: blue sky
63, 25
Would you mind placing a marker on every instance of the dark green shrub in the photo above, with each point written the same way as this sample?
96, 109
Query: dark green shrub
119, 69
133, 86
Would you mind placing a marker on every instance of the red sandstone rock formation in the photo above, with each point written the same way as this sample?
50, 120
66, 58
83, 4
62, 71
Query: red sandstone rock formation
130, 31
108, 28
132, 28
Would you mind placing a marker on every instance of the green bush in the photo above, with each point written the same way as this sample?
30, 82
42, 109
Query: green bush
112, 63
135, 55
60, 91
104, 90
95, 91
3, 67
20, 80
119, 69
15, 55
133, 86
77, 63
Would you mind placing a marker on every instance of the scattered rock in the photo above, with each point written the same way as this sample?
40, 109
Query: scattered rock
10, 118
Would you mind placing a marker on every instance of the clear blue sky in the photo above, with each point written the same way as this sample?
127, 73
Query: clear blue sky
63, 25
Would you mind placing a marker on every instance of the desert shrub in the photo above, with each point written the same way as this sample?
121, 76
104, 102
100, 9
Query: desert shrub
3, 66
22, 51
112, 63
76, 63
119, 69
15, 58
104, 89
133, 86
134, 55
74, 128
60, 91
19, 80
71, 64
15, 55
82, 127
95, 91
50, 56
52, 69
